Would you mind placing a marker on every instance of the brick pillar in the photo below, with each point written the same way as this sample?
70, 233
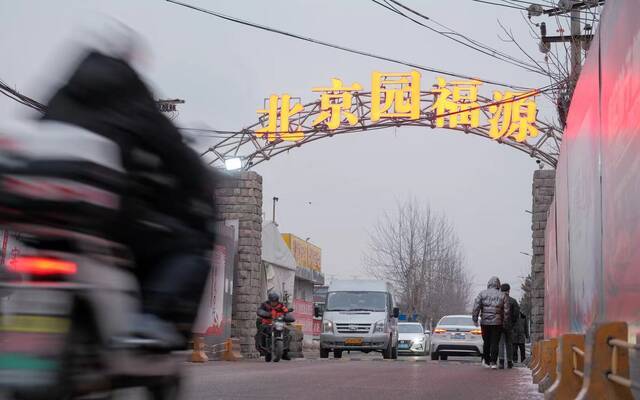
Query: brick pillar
239, 197
544, 182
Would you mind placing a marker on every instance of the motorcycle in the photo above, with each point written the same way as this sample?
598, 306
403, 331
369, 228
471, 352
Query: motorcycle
273, 340
70, 297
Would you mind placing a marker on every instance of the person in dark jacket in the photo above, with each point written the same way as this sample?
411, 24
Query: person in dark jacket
506, 339
168, 215
492, 306
267, 312
520, 337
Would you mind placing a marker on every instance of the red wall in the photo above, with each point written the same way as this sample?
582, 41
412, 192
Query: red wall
592, 267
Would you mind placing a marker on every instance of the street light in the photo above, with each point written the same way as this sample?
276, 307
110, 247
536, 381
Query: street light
233, 164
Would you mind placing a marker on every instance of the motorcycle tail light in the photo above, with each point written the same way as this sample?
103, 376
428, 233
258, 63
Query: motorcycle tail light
42, 266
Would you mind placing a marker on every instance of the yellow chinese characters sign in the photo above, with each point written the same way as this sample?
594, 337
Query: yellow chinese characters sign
397, 97
306, 254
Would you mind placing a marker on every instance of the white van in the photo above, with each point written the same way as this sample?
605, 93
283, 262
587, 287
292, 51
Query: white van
359, 315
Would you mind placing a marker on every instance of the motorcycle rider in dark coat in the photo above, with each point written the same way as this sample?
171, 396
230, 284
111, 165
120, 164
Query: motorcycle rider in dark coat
168, 213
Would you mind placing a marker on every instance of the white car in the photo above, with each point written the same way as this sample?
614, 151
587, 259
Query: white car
456, 335
412, 339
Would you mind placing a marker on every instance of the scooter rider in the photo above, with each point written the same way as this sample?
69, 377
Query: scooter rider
167, 216
268, 311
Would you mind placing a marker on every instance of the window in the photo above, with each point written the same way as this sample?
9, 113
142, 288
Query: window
463, 320
410, 328
356, 301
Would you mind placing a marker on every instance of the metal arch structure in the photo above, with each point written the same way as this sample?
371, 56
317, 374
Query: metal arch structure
253, 150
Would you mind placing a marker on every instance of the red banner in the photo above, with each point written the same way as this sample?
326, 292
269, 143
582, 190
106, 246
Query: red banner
303, 312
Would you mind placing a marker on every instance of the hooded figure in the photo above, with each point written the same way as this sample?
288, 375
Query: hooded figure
492, 305
168, 213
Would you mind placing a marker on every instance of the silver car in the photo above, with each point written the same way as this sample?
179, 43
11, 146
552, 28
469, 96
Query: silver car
456, 335
412, 339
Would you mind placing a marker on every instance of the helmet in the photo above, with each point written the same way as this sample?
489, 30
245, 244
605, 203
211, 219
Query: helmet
273, 296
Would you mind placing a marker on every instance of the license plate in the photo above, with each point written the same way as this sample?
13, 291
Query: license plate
403, 346
458, 336
353, 341
34, 324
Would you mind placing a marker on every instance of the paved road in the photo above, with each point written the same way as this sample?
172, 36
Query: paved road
363, 377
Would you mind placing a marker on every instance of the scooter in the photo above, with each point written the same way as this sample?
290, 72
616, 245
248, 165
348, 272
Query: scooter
70, 299
275, 337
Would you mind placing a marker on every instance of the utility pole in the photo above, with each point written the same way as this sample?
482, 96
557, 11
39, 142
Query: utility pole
275, 200
576, 47
576, 41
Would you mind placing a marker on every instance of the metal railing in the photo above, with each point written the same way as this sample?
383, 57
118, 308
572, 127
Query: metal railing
576, 352
613, 376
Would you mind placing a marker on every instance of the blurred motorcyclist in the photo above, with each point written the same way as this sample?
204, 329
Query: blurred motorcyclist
168, 213
276, 309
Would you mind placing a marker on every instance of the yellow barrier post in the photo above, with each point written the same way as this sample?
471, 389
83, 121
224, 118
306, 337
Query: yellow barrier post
545, 360
198, 355
533, 361
231, 352
570, 368
539, 364
604, 360
550, 373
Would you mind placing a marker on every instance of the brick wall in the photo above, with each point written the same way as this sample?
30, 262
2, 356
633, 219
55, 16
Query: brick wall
239, 197
543, 191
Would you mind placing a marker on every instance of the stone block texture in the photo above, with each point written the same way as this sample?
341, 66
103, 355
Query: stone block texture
239, 197
543, 192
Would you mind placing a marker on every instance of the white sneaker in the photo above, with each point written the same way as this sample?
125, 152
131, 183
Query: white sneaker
494, 366
484, 364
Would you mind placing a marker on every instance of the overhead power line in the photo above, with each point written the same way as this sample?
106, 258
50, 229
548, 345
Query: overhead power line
462, 39
20, 98
339, 47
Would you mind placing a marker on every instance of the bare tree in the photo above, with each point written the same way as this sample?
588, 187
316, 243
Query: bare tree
419, 252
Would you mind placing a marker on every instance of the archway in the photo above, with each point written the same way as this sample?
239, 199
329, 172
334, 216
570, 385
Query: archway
254, 145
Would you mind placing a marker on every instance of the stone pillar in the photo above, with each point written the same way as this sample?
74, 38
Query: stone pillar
239, 197
544, 182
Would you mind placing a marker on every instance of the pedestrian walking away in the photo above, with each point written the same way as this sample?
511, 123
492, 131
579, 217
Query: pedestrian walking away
491, 309
506, 339
520, 337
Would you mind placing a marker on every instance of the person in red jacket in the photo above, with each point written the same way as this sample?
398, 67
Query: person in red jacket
276, 309
274, 306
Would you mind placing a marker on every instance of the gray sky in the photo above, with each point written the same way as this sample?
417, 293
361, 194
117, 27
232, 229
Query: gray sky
224, 71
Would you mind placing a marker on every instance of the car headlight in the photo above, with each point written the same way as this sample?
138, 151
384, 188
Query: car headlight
327, 326
379, 326
419, 340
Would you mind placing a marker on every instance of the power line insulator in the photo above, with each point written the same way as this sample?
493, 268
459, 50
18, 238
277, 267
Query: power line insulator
535, 10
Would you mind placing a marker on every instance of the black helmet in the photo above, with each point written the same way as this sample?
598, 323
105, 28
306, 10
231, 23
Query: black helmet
273, 296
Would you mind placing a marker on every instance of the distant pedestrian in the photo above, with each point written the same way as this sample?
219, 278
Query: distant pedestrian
492, 306
506, 339
520, 337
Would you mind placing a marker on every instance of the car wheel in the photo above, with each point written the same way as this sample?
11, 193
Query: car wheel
337, 354
324, 353
386, 353
444, 357
434, 356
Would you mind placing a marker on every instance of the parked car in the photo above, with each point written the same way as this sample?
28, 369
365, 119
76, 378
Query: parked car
456, 335
412, 339
359, 315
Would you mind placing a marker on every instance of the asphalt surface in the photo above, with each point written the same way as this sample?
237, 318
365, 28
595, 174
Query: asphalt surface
356, 377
